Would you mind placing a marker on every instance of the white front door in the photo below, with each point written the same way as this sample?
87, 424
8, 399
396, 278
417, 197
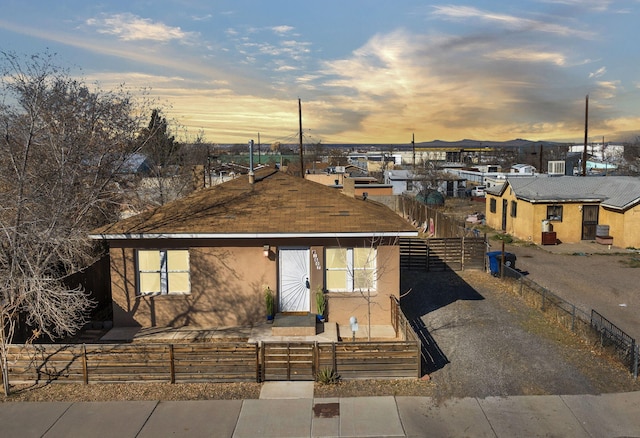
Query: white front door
294, 280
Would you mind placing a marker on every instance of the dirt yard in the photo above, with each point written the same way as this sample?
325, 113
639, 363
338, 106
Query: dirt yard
588, 278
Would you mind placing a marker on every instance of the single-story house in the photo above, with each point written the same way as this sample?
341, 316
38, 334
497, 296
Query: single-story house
572, 207
206, 260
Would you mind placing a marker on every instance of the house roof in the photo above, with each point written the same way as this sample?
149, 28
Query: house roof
276, 205
616, 192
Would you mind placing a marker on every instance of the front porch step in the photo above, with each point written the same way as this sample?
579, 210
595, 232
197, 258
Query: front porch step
294, 325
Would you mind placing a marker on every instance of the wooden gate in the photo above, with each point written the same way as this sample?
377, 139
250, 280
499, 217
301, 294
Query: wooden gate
288, 361
435, 254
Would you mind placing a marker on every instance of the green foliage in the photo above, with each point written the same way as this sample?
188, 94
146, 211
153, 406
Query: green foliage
327, 376
321, 302
506, 238
269, 301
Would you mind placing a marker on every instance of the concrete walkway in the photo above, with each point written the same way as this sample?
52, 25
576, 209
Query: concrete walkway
288, 409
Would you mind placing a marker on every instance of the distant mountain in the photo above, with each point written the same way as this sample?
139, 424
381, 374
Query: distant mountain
466, 143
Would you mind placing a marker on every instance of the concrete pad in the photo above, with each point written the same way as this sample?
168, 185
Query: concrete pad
202, 418
120, 334
326, 417
107, 419
377, 332
28, 420
607, 414
274, 418
531, 416
286, 390
463, 417
370, 416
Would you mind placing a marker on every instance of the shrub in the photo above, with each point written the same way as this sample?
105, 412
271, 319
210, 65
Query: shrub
327, 376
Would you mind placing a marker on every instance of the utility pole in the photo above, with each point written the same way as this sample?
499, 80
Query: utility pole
301, 152
586, 130
540, 168
259, 160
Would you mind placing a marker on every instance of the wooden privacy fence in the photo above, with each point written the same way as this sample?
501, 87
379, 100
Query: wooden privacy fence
106, 363
210, 362
430, 218
442, 254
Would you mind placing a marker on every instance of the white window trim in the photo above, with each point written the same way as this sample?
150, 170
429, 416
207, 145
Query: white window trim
164, 274
350, 270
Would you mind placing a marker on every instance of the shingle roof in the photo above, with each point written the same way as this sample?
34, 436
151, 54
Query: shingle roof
617, 192
276, 204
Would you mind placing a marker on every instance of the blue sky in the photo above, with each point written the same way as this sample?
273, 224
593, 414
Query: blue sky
366, 71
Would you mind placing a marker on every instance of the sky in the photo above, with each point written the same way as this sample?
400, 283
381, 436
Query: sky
365, 71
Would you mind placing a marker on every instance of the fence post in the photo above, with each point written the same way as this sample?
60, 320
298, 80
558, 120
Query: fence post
636, 353
172, 366
85, 371
521, 279
262, 370
334, 361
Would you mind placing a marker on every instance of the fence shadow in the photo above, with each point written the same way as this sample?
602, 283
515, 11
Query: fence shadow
424, 292
433, 358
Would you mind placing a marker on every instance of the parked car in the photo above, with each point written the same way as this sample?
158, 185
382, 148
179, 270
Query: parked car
478, 191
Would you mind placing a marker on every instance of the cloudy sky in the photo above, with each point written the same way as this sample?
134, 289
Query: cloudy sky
366, 71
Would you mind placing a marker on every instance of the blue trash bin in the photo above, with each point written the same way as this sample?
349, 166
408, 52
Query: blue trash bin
495, 257
494, 264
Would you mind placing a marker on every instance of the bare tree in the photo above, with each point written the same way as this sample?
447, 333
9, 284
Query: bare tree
171, 173
60, 148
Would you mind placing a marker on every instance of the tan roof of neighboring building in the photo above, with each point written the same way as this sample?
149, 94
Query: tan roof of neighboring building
277, 204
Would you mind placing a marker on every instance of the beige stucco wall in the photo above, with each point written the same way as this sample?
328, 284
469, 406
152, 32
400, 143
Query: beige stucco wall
527, 225
228, 282
227, 287
624, 228
327, 179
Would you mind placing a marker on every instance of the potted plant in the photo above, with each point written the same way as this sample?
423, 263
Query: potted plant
269, 303
321, 304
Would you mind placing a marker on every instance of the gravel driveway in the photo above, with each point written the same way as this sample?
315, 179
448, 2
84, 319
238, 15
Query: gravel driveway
483, 341
601, 281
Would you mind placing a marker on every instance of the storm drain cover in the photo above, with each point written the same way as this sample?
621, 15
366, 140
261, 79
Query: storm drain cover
326, 410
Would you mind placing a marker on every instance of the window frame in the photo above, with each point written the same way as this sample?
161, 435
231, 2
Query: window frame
513, 210
493, 205
164, 271
555, 217
351, 271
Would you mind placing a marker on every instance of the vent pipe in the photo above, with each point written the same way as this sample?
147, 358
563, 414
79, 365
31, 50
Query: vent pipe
252, 177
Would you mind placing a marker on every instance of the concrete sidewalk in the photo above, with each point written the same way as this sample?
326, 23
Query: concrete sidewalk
288, 409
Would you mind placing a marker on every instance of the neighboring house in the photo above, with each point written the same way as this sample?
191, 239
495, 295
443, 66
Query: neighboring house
572, 205
364, 186
205, 260
406, 181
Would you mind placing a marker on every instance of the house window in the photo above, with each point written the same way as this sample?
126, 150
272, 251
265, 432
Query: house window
350, 269
554, 213
163, 272
514, 208
492, 205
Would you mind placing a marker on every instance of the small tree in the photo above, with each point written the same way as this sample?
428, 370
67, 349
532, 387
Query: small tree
365, 270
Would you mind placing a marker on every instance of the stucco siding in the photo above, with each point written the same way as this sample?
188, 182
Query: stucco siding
228, 283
